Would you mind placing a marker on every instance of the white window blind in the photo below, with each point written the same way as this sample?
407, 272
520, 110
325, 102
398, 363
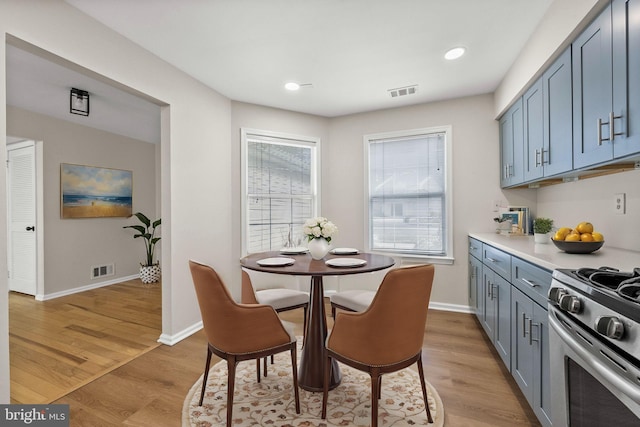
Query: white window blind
280, 189
408, 193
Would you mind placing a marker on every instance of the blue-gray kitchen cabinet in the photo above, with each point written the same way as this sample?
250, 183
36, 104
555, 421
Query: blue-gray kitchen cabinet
511, 146
606, 91
547, 109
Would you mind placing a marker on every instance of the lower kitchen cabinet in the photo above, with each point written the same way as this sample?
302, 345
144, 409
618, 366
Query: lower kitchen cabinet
530, 353
496, 318
509, 298
475, 278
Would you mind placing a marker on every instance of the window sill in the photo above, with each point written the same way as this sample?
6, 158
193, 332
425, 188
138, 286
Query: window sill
406, 259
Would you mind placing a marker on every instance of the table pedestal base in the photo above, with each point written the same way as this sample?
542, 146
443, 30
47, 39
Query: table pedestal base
312, 359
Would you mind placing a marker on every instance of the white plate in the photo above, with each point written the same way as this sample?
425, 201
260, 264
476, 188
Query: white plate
276, 262
344, 251
294, 251
345, 262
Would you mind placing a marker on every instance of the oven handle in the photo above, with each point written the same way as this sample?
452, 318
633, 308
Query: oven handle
603, 370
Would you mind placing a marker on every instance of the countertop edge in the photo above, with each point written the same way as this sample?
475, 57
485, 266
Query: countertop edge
549, 257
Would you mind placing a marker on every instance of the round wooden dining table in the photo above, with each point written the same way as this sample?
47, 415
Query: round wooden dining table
311, 369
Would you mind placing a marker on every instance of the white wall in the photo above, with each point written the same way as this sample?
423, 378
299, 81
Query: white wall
562, 22
195, 151
72, 246
593, 200
4, 287
475, 177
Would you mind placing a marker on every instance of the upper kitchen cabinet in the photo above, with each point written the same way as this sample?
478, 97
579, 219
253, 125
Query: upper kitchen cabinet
556, 155
606, 63
511, 146
547, 109
533, 112
626, 76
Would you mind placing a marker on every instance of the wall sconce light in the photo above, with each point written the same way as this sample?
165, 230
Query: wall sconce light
79, 102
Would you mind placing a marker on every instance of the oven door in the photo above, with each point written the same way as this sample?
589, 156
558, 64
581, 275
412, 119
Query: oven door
591, 385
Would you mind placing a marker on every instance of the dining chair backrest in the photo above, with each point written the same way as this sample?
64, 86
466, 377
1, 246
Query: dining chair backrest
248, 293
394, 323
227, 324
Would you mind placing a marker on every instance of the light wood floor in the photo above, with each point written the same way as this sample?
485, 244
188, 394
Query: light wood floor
59, 345
477, 391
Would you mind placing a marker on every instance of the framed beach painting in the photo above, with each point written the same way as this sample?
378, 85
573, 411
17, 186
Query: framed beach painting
95, 192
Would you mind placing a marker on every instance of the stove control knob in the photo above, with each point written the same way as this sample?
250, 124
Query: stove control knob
570, 303
556, 293
610, 326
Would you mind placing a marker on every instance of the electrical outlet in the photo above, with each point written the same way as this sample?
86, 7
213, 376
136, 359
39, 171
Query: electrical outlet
620, 203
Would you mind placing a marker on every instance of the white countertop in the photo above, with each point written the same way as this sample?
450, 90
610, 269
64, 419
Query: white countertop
547, 255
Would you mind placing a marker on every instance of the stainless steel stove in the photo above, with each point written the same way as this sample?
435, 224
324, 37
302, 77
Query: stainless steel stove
594, 334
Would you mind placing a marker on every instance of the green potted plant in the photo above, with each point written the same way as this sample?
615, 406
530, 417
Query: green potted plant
150, 270
541, 228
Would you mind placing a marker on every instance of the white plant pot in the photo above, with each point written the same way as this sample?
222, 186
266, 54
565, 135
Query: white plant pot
318, 248
541, 238
150, 273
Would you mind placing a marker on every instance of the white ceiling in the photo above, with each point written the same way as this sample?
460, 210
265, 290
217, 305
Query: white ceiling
350, 51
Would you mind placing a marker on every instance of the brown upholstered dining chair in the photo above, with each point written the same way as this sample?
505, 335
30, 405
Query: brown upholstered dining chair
281, 299
388, 336
237, 332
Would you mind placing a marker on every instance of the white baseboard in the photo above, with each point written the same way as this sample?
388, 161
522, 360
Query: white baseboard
450, 307
45, 297
176, 338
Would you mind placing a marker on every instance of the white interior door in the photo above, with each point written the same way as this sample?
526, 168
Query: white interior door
21, 215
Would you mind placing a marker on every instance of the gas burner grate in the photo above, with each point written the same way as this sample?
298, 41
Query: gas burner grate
626, 284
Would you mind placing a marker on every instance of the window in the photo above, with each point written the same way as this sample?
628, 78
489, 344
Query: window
409, 193
280, 188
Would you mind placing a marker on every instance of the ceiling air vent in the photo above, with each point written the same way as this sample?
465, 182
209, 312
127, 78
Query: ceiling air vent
402, 91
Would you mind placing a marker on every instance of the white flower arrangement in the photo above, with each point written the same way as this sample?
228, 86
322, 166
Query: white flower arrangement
319, 227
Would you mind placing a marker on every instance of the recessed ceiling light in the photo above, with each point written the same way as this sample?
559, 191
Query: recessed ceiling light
292, 86
454, 53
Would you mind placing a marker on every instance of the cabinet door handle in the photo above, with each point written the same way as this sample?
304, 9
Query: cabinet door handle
612, 122
524, 325
600, 138
491, 259
531, 325
538, 162
529, 282
542, 160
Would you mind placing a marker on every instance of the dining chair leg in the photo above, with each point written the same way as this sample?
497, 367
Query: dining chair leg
375, 392
231, 380
294, 366
304, 321
424, 390
325, 386
380, 387
258, 368
265, 366
206, 375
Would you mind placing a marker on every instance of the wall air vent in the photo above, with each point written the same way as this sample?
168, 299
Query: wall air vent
102, 270
402, 91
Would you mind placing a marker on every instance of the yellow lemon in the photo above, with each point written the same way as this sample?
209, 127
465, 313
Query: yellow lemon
597, 237
586, 237
584, 227
562, 233
572, 237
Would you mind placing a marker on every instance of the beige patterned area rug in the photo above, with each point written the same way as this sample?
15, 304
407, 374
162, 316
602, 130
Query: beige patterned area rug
271, 402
